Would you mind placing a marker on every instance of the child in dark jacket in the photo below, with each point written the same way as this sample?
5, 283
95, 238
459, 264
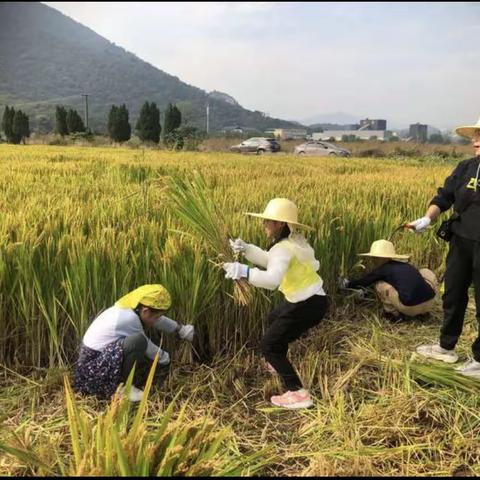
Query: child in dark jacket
403, 289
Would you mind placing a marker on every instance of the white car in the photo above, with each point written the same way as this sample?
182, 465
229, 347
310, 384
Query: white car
316, 147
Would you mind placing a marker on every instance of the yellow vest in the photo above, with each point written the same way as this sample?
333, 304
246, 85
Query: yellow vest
300, 276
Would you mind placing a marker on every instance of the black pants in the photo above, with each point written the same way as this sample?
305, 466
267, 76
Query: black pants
288, 322
463, 268
134, 348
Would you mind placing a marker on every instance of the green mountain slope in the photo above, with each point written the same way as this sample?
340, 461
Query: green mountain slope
46, 58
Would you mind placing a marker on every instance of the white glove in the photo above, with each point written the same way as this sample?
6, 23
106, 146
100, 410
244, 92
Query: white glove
187, 332
421, 224
238, 245
343, 282
235, 270
164, 359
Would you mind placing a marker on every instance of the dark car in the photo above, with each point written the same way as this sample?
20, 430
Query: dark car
258, 145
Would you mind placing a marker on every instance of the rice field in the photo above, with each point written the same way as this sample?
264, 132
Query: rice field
82, 226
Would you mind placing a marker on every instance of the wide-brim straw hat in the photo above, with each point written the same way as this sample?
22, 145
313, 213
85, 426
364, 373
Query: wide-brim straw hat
281, 210
384, 249
154, 296
469, 131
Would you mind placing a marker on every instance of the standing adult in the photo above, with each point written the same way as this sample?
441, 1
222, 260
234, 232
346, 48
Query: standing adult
462, 191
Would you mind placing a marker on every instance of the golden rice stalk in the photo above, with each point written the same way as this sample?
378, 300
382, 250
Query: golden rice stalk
196, 208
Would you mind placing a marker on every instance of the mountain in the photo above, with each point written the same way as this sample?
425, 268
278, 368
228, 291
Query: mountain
222, 96
48, 59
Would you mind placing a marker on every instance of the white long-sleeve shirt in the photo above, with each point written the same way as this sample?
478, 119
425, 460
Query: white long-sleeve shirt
277, 261
116, 323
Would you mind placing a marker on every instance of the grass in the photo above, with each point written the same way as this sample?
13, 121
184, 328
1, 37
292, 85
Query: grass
82, 226
377, 410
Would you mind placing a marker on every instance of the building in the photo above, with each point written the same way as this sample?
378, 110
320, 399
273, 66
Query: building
373, 124
418, 132
289, 133
338, 135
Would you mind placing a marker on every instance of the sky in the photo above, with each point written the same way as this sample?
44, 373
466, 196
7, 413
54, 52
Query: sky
405, 62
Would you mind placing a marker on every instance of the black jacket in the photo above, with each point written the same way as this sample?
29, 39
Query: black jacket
459, 192
405, 278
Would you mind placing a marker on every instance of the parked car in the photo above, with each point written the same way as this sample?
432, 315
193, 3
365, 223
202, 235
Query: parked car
316, 147
258, 145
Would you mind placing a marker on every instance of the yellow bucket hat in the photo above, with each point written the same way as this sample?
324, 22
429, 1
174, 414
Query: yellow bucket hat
153, 296
281, 210
470, 131
384, 249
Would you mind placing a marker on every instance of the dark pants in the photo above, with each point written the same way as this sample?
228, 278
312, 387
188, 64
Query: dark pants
463, 268
288, 322
134, 348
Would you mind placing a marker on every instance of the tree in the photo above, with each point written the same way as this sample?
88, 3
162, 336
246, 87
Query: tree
173, 119
74, 122
119, 128
7, 123
20, 127
436, 138
25, 126
61, 126
148, 124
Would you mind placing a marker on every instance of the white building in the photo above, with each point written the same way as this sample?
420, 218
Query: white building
360, 134
289, 133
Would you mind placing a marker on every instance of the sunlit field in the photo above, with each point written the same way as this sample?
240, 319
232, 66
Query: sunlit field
82, 226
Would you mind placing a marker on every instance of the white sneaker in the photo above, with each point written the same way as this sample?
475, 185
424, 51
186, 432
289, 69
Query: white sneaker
135, 394
470, 369
438, 353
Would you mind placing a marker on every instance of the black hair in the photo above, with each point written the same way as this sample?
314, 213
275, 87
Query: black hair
284, 233
137, 309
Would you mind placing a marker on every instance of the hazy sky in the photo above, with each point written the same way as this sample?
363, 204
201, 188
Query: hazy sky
405, 62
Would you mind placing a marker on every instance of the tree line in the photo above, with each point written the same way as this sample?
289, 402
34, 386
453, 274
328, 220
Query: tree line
148, 127
15, 125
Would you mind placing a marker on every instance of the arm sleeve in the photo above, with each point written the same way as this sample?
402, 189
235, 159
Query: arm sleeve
278, 262
152, 349
166, 325
445, 196
367, 280
256, 255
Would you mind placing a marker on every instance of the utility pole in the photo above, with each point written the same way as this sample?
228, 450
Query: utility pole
208, 118
86, 95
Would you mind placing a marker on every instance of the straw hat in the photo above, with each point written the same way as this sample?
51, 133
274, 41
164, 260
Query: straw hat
154, 296
281, 210
384, 249
470, 131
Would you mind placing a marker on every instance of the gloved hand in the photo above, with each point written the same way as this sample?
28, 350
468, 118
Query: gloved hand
343, 282
164, 359
187, 332
235, 270
421, 224
238, 245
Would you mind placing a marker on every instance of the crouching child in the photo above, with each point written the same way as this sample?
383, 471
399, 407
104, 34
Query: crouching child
403, 290
116, 341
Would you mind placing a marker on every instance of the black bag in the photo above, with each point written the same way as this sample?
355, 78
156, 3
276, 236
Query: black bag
445, 230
